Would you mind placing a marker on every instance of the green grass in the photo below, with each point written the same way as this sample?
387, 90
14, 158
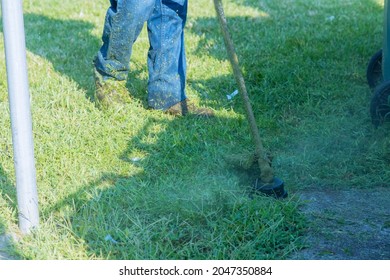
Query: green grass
304, 62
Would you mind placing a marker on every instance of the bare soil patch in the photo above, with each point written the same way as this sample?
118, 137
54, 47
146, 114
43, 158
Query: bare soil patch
347, 224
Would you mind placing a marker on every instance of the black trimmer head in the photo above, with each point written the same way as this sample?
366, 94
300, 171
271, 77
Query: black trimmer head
274, 189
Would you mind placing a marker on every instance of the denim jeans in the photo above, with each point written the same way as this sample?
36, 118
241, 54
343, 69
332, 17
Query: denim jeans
166, 56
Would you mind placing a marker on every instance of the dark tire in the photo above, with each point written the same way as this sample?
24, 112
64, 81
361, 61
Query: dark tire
380, 104
374, 70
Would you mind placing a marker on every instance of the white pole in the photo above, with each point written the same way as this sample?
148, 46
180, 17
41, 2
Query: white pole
21, 123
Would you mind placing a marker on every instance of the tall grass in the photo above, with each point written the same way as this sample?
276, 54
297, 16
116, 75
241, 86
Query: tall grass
131, 183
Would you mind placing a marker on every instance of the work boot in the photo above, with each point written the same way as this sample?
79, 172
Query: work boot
110, 91
186, 107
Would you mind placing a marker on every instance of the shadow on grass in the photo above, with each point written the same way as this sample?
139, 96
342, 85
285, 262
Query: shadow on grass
305, 72
256, 4
67, 44
8, 195
70, 47
290, 50
8, 190
183, 203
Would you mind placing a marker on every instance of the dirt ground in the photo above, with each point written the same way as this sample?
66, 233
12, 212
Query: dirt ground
347, 225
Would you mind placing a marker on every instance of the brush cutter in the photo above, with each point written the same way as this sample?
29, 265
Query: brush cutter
267, 183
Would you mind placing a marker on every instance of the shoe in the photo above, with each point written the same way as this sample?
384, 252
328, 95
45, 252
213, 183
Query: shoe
110, 91
186, 107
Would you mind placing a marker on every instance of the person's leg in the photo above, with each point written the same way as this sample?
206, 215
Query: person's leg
166, 57
123, 23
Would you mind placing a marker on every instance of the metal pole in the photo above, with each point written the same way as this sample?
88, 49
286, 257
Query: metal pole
21, 123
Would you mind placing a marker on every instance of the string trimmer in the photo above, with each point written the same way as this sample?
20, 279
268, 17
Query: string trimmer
267, 183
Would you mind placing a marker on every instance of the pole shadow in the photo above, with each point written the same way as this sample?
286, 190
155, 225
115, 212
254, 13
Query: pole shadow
8, 196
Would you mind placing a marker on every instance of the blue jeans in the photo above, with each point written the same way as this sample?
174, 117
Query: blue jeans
166, 57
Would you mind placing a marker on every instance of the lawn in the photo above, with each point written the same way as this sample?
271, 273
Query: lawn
132, 183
